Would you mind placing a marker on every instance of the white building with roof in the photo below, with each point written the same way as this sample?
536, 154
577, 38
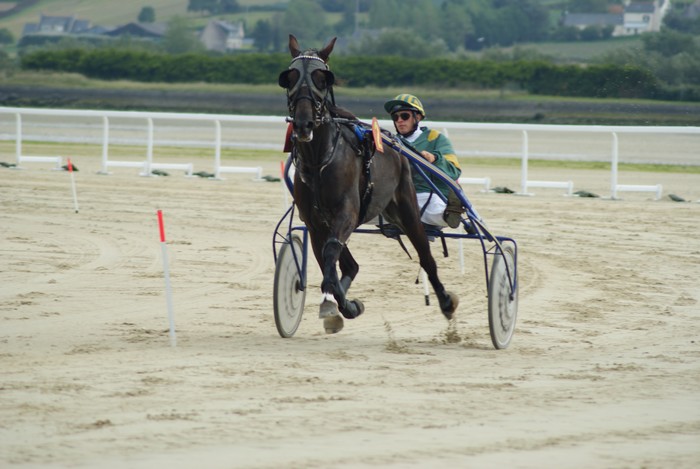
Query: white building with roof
222, 36
636, 18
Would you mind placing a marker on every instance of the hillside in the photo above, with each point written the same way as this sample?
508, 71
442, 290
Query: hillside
47, 92
105, 12
113, 13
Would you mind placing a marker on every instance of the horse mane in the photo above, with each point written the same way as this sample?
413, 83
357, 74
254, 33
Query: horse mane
337, 111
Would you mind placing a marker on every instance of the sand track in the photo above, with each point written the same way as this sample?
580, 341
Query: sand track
603, 371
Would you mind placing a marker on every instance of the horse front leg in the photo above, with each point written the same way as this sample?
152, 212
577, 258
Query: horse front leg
348, 268
334, 290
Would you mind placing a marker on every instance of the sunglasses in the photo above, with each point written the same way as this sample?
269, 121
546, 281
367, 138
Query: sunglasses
404, 116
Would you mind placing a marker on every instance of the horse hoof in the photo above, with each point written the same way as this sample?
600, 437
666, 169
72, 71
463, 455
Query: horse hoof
451, 306
328, 308
333, 324
354, 311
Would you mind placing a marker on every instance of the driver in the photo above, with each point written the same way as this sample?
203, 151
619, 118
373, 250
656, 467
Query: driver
407, 112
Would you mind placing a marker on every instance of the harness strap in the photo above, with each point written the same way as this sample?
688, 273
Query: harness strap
425, 205
367, 196
330, 241
396, 235
365, 149
369, 150
321, 166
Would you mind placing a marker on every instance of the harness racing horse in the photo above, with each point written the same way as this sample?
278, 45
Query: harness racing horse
336, 189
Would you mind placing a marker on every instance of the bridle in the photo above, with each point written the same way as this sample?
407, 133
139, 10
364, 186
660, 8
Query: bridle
306, 64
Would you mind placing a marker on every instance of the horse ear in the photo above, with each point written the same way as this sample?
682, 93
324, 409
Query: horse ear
327, 50
294, 46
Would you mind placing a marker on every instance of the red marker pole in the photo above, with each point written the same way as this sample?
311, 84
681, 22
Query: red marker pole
72, 183
285, 191
166, 273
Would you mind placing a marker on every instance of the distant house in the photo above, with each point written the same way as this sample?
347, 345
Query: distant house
153, 31
693, 11
644, 17
56, 25
222, 36
583, 20
636, 18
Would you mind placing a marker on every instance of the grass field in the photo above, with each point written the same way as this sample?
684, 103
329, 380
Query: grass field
582, 51
63, 90
75, 80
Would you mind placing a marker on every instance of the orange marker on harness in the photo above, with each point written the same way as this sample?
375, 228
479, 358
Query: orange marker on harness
377, 134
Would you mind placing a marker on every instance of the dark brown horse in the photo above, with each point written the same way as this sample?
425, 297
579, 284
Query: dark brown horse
336, 188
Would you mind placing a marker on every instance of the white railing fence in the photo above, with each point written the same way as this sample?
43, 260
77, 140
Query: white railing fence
147, 119
267, 132
593, 130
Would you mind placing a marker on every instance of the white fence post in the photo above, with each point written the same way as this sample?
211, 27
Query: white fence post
18, 138
217, 150
613, 167
57, 160
149, 149
218, 169
524, 155
486, 182
615, 187
105, 144
525, 182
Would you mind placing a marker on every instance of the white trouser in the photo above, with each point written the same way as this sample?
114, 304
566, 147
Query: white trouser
432, 215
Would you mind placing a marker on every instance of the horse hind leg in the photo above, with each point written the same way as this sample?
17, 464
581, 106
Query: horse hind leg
413, 229
448, 303
447, 300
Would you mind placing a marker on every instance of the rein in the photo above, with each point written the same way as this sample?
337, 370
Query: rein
314, 170
331, 155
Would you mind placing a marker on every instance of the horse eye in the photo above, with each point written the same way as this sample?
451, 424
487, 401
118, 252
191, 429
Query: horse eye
320, 79
288, 78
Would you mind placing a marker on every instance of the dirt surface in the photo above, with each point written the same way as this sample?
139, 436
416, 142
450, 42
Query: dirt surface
543, 111
603, 370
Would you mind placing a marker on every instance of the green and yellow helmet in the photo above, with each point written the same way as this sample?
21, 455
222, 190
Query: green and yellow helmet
404, 102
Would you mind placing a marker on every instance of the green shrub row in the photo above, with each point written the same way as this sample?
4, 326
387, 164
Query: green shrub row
353, 71
123, 64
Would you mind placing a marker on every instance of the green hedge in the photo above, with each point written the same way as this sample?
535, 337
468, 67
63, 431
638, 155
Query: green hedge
602, 81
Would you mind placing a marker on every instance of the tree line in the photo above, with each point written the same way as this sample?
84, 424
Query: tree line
536, 77
446, 26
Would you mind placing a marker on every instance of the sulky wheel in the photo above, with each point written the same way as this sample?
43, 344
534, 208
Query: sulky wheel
288, 295
502, 310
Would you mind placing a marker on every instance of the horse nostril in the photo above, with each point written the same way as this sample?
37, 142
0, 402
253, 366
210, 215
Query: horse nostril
303, 130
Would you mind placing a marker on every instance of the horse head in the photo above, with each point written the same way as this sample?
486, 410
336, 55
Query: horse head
309, 83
